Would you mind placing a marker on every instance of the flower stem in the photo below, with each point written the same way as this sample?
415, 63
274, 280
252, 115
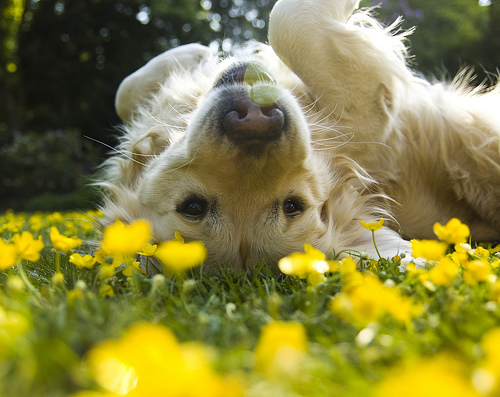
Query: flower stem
58, 262
27, 282
375, 244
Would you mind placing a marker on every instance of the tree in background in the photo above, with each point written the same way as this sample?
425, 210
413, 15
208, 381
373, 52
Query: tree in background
11, 13
449, 35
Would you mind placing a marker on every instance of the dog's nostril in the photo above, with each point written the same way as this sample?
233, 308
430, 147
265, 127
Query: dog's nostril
248, 121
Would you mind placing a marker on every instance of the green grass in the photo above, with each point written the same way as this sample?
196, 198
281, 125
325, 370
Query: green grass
226, 313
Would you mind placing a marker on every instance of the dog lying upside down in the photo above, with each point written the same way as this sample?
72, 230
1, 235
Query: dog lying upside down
299, 141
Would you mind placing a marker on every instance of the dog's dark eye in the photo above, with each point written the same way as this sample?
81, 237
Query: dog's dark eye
193, 208
292, 207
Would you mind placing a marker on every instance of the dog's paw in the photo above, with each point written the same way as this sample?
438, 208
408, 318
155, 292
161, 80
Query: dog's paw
142, 82
310, 10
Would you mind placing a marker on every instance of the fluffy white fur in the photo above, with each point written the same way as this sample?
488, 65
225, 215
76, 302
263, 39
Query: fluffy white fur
434, 148
364, 137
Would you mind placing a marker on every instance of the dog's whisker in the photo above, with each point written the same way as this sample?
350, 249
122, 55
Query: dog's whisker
115, 150
163, 123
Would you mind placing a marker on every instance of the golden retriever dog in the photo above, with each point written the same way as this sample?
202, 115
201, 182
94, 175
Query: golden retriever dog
297, 142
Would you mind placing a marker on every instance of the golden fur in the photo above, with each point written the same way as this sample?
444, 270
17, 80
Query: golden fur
363, 138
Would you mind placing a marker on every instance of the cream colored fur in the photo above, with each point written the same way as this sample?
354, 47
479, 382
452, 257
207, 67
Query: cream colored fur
362, 133
434, 148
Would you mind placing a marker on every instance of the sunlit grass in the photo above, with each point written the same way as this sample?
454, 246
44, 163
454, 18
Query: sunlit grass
79, 318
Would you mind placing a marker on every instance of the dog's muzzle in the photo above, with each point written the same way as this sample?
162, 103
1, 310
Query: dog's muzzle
250, 111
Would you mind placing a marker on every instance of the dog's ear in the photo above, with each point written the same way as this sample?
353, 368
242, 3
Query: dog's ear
148, 79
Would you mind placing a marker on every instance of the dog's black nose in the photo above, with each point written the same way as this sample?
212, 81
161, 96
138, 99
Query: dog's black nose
248, 121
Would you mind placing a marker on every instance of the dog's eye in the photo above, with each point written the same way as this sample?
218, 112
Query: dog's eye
292, 207
193, 208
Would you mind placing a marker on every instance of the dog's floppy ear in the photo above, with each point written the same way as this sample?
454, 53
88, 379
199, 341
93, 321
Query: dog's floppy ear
140, 84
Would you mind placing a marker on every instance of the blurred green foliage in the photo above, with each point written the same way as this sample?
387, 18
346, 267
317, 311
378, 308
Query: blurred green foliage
48, 170
61, 62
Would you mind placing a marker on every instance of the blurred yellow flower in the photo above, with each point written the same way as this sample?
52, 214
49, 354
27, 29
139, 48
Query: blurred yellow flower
106, 290
490, 367
148, 249
13, 222
477, 271
106, 271
495, 293
431, 377
351, 277
178, 256
12, 325
27, 247
74, 294
8, 255
125, 239
280, 348
130, 268
373, 226
444, 273
82, 262
367, 300
63, 243
482, 252
58, 279
136, 365
454, 232
311, 264
429, 249
36, 222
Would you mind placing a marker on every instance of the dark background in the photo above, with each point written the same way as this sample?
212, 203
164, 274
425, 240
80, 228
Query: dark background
61, 62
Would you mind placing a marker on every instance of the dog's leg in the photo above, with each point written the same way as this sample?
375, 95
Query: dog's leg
472, 158
136, 87
348, 62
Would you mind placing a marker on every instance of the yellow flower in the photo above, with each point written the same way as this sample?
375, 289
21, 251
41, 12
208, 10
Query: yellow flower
431, 377
136, 366
482, 252
280, 348
13, 325
126, 240
179, 256
495, 293
444, 273
36, 222
82, 262
15, 284
8, 255
491, 349
311, 264
63, 243
367, 300
148, 250
106, 271
74, 294
477, 271
130, 268
454, 232
106, 290
58, 279
373, 226
429, 249
27, 247
351, 277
